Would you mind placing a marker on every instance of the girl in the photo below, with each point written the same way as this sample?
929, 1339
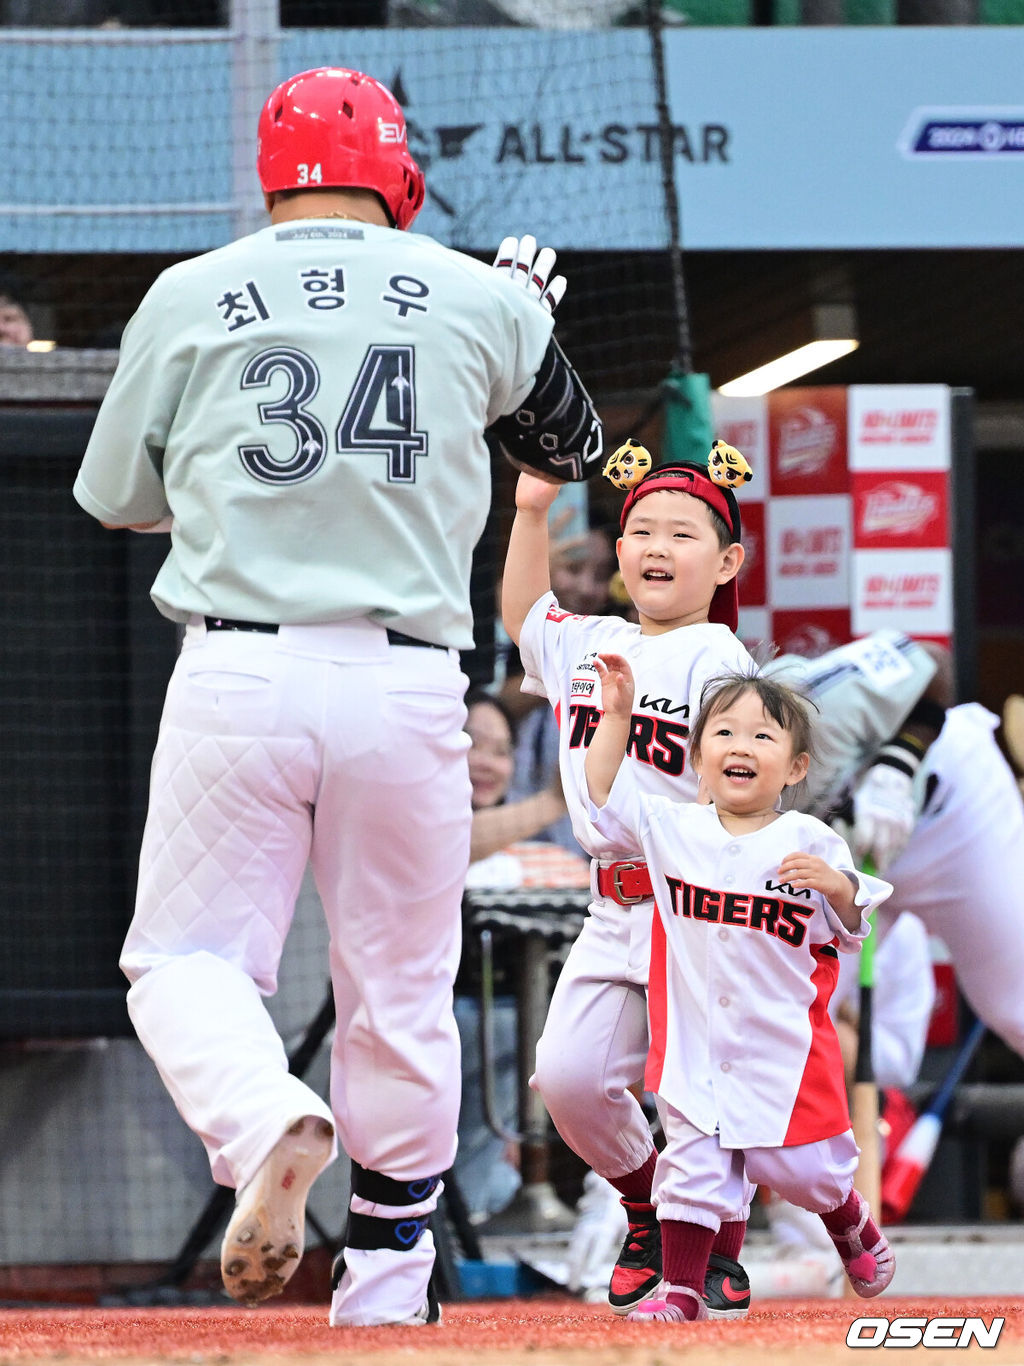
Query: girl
744, 1059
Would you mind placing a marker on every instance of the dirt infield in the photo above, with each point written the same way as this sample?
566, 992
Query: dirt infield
534, 1332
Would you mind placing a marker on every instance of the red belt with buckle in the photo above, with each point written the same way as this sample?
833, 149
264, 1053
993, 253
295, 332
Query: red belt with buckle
626, 883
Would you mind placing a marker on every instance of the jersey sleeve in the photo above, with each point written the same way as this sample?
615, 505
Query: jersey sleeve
869, 891
549, 643
623, 818
120, 478
526, 326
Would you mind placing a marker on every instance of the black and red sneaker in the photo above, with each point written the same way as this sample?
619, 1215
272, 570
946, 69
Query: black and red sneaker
726, 1288
636, 1275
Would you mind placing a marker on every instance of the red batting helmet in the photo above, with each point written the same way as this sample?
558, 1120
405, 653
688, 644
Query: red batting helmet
335, 127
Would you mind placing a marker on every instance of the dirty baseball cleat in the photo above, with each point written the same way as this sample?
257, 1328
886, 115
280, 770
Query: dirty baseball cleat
726, 1288
867, 1256
263, 1243
636, 1275
679, 1305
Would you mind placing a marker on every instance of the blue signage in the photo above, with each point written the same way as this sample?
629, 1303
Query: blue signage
781, 138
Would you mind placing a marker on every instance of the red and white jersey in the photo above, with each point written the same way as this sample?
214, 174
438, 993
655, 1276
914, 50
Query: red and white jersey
670, 670
742, 969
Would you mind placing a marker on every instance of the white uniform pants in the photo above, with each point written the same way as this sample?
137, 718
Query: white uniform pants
322, 744
962, 870
697, 1181
595, 1039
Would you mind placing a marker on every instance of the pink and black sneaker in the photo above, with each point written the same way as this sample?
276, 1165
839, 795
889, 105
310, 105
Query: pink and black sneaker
679, 1305
866, 1253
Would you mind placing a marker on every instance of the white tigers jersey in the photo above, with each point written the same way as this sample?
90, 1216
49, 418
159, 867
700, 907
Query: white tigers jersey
742, 969
309, 403
670, 669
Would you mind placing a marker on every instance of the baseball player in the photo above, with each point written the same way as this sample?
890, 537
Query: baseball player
305, 409
679, 553
752, 906
945, 823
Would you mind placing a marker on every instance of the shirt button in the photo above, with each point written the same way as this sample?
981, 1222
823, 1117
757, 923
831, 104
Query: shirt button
726, 1067
723, 1000
729, 879
733, 849
723, 934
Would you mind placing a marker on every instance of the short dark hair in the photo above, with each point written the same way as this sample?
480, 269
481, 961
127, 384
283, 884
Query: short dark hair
788, 708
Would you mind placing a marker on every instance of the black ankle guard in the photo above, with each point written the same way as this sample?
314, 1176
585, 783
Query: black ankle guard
385, 1190
367, 1232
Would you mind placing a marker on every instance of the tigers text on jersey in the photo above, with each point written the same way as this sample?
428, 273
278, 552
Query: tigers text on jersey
742, 969
670, 669
309, 402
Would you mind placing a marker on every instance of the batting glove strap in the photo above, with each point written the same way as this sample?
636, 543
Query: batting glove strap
368, 1233
904, 753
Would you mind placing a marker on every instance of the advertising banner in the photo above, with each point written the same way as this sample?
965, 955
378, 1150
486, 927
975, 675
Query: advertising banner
849, 513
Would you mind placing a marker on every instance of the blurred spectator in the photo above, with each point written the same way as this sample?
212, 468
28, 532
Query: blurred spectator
15, 326
504, 856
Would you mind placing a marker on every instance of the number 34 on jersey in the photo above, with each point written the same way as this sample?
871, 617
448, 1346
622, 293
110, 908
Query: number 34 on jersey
377, 418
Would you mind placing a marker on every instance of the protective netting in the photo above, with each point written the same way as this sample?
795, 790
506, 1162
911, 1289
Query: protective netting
139, 152
131, 145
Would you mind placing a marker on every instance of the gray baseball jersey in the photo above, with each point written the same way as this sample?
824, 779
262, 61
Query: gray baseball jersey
863, 691
309, 403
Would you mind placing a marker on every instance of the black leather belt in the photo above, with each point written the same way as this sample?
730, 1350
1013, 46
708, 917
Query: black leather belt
269, 628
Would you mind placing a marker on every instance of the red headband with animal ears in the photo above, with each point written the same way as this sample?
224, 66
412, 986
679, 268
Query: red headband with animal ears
686, 478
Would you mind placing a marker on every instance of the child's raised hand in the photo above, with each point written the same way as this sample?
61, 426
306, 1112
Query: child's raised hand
616, 684
534, 494
807, 870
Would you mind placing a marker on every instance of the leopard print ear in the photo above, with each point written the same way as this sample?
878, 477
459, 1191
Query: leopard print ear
726, 466
628, 465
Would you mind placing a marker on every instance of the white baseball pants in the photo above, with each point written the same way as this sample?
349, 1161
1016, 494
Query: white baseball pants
322, 744
595, 1040
697, 1181
962, 870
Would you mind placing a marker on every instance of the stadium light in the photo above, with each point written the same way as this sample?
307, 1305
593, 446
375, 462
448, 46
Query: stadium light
833, 333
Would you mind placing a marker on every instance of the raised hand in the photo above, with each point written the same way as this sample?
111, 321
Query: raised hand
617, 688
519, 259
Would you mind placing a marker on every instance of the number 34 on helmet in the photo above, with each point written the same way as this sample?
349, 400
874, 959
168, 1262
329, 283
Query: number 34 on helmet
332, 127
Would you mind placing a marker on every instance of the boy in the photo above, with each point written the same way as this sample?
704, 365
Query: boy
679, 554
